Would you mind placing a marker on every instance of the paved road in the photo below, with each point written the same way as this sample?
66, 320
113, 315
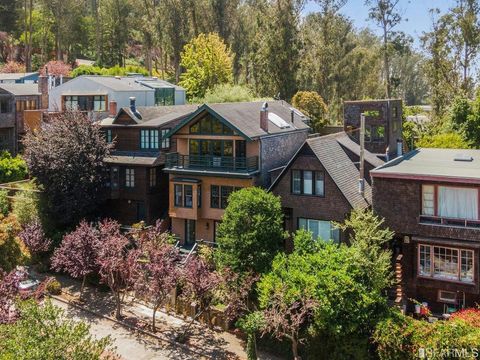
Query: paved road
128, 345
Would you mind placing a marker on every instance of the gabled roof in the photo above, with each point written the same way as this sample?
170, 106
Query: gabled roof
20, 89
115, 83
339, 167
347, 142
456, 165
245, 117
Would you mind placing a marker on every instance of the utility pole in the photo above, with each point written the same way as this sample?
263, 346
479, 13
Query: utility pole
361, 180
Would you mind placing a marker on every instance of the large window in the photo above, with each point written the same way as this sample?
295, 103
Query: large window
149, 139
210, 125
450, 202
130, 178
320, 229
164, 96
219, 195
306, 182
85, 102
445, 263
211, 147
165, 140
21, 105
183, 195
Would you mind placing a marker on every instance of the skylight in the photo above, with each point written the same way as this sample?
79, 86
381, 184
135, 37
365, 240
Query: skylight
463, 157
278, 121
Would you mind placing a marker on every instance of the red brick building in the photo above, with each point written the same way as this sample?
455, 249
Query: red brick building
430, 198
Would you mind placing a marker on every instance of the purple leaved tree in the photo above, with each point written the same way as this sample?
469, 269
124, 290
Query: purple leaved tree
77, 254
34, 238
118, 267
9, 283
159, 274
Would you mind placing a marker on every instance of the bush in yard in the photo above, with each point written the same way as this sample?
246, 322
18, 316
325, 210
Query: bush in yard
448, 140
224, 93
12, 168
4, 203
66, 157
25, 207
251, 232
12, 250
45, 332
54, 287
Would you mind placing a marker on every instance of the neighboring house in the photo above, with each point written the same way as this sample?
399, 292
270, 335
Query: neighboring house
92, 94
430, 198
19, 78
18, 104
222, 148
138, 187
383, 125
319, 185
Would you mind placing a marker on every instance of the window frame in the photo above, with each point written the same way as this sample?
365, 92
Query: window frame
222, 193
149, 139
130, 178
181, 202
431, 274
316, 175
165, 141
335, 238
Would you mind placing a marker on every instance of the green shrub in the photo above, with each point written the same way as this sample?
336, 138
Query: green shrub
12, 250
12, 168
449, 140
54, 287
25, 207
227, 93
4, 203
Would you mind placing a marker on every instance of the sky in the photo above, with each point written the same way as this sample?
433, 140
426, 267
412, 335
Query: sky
415, 11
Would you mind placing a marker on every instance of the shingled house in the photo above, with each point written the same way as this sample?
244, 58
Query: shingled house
319, 185
430, 198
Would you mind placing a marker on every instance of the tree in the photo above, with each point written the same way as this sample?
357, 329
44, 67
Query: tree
159, 274
66, 157
12, 250
34, 238
312, 105
4, 203
12, 67
117, 265
56, 68
207, 62
250, 233
448, 140
12, 168
200, 284
78, 253
9, 283
9, 15
44, 331
386, 15
227, 93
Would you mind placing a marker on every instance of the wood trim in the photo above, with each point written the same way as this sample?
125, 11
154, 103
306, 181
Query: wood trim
447, 179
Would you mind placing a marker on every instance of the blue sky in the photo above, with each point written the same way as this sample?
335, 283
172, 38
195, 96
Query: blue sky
416, 11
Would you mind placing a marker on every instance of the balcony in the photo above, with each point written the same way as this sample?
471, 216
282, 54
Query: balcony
451, 222
209, 163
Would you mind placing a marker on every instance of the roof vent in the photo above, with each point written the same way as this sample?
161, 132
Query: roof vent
118, 77
463, 157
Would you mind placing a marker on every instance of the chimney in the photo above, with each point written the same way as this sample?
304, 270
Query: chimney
113, 108
292, 114
399, 147
43, 90
133, 107
264, 117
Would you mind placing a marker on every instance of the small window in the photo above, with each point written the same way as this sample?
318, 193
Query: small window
178, 195
219, 196
215, 196
319, 183
130, 178
153, 177
226, 191
449, 297
108, 136
165, 141
308, 183
428, 200
188, 193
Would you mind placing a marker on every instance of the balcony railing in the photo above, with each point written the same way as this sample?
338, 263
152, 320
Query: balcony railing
437, 220
213, 163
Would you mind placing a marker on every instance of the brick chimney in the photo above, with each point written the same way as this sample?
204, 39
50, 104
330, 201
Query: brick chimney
112, 108
43, 90
264, 117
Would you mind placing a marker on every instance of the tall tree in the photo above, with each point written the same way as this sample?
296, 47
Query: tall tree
386, 14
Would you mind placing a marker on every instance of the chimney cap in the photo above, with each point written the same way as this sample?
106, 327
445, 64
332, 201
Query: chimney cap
132, 98
265, 106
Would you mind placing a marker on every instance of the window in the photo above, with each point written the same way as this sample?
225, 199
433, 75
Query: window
219, 196
165, 141
445, 263
108, 136
85, 102
4, 105
211, 147
320, 229
164, 96
447, 296
130, 178
210, 125
21, 105
450, 202
183, 196
149, 139
308, 182
153, 177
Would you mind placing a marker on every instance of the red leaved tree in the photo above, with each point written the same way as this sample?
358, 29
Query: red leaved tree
56, 68
13, 67
34, 238
200, 284
78, 253
117, 265
286, 319
159, 274
9, 283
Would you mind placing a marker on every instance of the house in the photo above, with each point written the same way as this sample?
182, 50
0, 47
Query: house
430, 198
383, 125
93, 93
319, 185
19, 104
222, 148
137, 185
19, 78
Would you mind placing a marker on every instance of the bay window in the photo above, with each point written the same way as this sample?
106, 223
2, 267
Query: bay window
445, 263
183, 195
320, 229
306, 182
